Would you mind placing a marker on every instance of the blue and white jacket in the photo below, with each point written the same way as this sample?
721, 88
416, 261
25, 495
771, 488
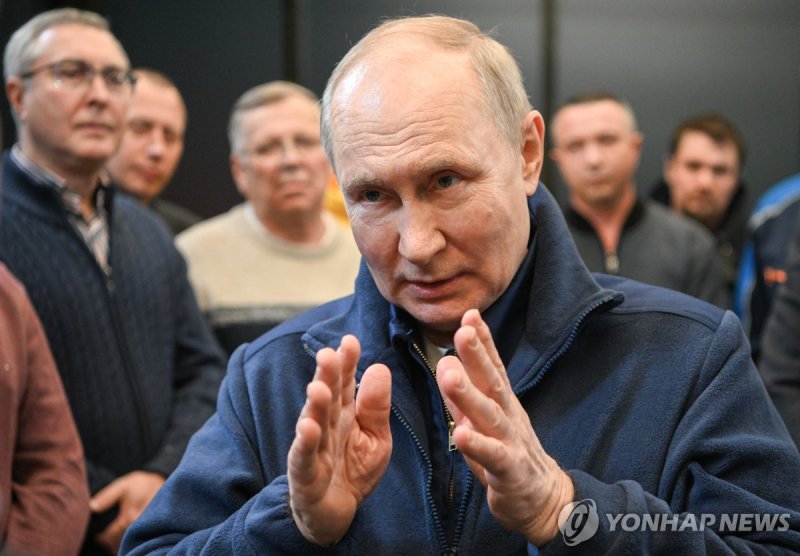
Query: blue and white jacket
763, 266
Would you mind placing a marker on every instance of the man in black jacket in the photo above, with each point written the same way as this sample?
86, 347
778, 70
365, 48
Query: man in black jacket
702, 180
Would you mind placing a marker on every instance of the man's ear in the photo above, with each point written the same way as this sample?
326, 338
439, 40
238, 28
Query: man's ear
666, 169
532, 150
236, 172
638, 141
15, 92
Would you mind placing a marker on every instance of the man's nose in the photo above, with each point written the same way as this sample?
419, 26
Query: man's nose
704, 178
592, 155
98, 89
156, 145
420, 236
290, 154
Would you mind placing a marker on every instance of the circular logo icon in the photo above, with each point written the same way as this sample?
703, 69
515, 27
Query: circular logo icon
578, 521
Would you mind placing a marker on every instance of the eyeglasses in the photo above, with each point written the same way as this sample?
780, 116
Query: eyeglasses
77, 74
277, 148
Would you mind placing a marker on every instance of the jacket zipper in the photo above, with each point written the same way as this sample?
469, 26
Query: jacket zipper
451, 443
127, 361
451, 424
437, 524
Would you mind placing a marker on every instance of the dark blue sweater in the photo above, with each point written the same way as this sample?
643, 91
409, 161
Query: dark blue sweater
647, 398
139, 366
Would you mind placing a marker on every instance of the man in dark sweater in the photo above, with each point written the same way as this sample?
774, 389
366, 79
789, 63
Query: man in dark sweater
139, 367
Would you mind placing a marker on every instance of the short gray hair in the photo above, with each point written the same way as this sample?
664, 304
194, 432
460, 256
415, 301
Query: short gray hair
499, 74
258, 96
21, 49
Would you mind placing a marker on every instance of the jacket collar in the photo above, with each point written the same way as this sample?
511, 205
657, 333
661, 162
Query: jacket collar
576, 219
38, 195
562, 294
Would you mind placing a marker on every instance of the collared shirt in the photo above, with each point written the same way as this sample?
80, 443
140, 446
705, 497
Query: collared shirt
93, 231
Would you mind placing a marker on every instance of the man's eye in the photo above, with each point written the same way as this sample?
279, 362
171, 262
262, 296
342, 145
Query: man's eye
139, 126
372, 196
448, 180
72, 71
268, 148
306, 142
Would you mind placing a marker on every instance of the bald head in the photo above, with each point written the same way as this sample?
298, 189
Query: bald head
499, 80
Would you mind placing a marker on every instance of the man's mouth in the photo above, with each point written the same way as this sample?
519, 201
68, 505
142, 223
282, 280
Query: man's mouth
431, 289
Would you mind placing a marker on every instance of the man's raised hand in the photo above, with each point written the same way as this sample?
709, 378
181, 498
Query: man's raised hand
525, 487
342, 443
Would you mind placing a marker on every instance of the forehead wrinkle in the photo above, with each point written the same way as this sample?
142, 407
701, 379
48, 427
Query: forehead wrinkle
361, 133
416, 149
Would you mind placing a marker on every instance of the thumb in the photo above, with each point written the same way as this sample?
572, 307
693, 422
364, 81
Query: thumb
106, 497
374, 400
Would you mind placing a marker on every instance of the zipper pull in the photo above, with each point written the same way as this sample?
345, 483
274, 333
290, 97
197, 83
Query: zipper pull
451, 426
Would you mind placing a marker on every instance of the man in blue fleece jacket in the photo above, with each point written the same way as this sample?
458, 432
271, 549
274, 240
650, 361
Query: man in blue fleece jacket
577, 409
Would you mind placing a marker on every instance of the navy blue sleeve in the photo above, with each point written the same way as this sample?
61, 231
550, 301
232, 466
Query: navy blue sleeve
220, 500
730, 455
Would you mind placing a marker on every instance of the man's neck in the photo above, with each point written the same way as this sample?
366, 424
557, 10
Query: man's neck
608, 220
301, 229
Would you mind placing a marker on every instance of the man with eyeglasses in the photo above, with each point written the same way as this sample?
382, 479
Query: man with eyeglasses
280, 252
138, 365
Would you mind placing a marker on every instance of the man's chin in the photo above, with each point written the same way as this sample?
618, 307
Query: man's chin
438, 325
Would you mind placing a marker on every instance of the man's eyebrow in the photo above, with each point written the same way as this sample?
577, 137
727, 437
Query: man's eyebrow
360, 183
423, 168
436, 164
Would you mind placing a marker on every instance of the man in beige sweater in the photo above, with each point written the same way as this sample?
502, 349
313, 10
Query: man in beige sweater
279, 253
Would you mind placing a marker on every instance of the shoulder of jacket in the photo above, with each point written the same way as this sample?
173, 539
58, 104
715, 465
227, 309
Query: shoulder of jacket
643, 299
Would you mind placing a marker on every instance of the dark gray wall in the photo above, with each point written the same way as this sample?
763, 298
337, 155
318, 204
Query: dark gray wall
674, 59
670, 59
214, 51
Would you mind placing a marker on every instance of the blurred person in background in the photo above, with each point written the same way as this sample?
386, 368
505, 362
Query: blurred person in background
151, 146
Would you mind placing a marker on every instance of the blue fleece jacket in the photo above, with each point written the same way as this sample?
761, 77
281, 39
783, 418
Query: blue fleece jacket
646, 397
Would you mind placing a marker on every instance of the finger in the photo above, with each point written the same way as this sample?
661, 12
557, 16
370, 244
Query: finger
349, 351
374, 401
447, 364
474, 319
107, 497
481, 412
329, 372
482, 369
111, 537
303, 453
318, 408
485, 455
